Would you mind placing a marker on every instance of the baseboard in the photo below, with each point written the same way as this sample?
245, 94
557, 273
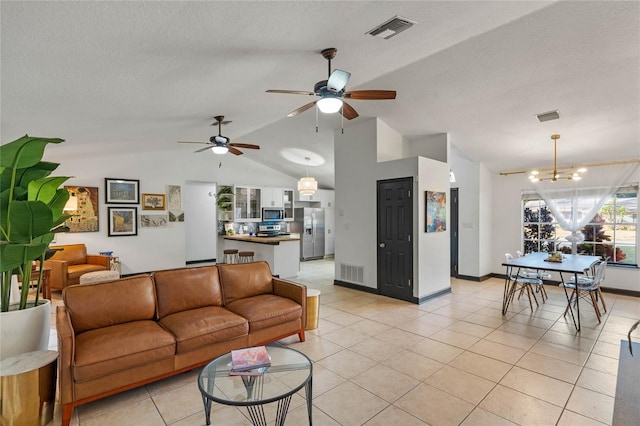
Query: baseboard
356, 287
193, 262
634, 293
471, 278
434, 295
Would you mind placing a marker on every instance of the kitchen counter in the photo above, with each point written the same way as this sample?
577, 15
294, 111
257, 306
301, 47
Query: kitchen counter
282, 253
263, 240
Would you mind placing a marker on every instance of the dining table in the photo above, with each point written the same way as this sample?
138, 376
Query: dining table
576, 264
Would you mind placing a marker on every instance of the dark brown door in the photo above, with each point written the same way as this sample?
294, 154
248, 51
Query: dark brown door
453, 229
395, 246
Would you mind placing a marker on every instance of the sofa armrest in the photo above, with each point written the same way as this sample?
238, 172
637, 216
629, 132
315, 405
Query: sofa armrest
58, 277
66, 357
294, 291
99, 259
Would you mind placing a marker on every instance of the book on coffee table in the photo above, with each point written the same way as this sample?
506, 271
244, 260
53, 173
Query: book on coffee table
250, 359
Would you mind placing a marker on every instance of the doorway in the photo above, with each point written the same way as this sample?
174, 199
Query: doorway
453, 231
395, 239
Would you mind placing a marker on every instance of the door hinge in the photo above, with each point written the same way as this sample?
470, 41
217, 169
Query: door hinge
409, 195
409, 238
409, 282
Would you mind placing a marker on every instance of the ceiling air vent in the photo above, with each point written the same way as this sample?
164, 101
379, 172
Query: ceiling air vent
392, 27
548, 116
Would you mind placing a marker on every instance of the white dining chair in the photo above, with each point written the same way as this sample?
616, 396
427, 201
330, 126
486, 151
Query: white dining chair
589, 286
522, 284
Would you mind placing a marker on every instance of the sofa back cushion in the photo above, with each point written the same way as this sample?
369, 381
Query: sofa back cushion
104, 304
73, 254
182, 289
240, 280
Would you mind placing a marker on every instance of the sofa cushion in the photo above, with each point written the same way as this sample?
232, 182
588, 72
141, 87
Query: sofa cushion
241, 280
204, 326
107, 350
266, 310
104, 304
182, 289
73, 254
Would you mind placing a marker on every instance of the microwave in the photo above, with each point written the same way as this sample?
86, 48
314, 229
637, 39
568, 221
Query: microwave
270, 213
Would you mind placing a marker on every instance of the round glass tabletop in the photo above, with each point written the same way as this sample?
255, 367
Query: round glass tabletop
290, 370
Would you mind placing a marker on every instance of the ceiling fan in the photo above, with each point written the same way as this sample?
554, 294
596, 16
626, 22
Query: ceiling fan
220, 144
332, 92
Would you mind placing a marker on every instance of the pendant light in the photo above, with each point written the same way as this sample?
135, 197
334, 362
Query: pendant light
555, 175
307, 185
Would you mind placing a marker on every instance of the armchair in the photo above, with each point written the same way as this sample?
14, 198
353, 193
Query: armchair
72, 261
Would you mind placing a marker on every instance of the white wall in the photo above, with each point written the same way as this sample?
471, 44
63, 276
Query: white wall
357, 171
507, 231
200, 207
155, 248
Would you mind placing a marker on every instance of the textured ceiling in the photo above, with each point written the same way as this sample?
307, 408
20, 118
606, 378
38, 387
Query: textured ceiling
144, 75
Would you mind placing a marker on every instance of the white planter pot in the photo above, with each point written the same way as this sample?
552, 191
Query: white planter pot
25, 330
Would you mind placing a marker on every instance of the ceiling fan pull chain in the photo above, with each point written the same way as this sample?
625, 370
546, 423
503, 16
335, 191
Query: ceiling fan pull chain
342, 117
316, 119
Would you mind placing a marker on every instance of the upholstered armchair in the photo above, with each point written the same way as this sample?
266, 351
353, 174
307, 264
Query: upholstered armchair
72, 261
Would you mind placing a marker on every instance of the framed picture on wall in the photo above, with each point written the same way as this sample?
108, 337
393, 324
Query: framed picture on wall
436, 211
123, 221
83, 208
154, 220
153, 202
122, 191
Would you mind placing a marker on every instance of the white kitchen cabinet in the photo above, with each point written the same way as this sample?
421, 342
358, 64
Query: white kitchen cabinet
272, 197
326, 198
248, 203
288, 203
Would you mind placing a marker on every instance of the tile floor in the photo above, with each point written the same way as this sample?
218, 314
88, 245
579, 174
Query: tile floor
454, 360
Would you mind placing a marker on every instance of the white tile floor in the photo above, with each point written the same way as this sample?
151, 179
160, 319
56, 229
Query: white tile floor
454, 360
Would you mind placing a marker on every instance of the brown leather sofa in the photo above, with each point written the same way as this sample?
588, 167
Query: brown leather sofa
118, 335
72, 261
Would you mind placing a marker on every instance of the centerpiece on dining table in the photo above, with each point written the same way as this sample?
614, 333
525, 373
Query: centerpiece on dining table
554, 257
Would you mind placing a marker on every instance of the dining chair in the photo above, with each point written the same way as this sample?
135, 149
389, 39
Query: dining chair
588, 287
522, 283
535, 273
592, 283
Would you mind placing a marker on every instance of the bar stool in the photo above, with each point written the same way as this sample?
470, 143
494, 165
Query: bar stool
231, 256
245, 256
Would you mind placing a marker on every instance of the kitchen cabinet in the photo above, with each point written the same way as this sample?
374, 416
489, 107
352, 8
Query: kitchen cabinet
325, 198
281, 198
248, 203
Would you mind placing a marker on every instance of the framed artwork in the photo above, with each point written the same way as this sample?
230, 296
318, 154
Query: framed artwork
153, 220
123, 221
176, 216
153, 202
435, 211
122, 191
174, 197
85, 217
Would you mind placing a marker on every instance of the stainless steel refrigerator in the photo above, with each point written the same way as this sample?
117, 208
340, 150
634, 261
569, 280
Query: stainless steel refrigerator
309, 222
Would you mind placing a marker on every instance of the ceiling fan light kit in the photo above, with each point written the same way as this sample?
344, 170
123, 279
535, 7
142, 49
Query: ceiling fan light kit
332, 92
221, 144
555, 175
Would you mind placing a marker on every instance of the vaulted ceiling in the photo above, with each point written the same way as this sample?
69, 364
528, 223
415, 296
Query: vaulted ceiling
141, 76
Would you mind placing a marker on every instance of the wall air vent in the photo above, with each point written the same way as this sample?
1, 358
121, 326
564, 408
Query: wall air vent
392, 27
350, 273
548, 116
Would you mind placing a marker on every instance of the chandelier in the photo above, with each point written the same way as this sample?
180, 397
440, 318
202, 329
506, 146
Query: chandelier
553, 176
307, 185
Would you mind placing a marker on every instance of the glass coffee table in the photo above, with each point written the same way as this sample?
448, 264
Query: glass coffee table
289, 372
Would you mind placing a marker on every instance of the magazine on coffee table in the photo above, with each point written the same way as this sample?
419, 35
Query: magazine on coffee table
252, 358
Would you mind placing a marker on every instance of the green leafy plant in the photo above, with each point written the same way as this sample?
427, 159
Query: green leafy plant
31, 212
224, 198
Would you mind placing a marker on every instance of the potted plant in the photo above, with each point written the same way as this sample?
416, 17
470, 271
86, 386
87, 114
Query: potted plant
31, 212
224, 200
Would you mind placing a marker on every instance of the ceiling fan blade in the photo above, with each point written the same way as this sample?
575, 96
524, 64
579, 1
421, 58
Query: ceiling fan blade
245, 145
291, 92
203, 149
338, 80
348, 112
235, 151
303, 108
371, 95
215, 123
206, 143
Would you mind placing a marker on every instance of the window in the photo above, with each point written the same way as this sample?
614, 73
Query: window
611, 233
